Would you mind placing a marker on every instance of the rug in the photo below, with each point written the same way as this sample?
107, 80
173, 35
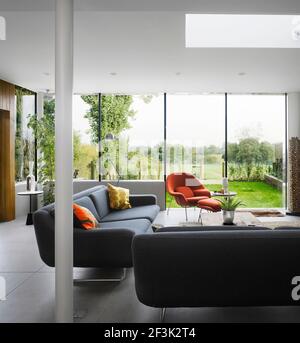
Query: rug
266, 213
215, 219
273, 225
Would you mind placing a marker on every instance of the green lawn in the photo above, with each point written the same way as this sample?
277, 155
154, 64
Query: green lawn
253, 194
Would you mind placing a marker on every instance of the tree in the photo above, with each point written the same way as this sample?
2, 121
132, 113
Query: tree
232, 151
115, 114
248, 151
24, 144
44, 129
266, 152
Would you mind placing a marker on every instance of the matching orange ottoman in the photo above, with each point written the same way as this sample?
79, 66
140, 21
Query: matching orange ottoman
209, 204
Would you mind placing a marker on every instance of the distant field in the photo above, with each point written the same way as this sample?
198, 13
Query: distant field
213, 171
253, 194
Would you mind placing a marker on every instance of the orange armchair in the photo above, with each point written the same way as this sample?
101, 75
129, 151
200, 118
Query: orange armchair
188, 191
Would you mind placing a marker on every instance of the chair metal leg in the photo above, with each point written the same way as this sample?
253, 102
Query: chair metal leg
162, 314
200, 216
186, 216
123, 276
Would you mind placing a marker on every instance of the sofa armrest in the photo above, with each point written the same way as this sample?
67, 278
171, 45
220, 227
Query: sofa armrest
142, 199
103, 248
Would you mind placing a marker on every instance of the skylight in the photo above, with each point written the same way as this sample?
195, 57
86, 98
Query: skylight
242, 31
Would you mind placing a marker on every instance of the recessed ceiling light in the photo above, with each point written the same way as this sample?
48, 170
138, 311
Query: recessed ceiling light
242, 73
113, 73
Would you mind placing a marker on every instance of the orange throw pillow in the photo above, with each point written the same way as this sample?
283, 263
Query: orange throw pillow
85, 217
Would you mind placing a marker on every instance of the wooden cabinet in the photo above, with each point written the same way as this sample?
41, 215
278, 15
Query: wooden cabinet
7, 151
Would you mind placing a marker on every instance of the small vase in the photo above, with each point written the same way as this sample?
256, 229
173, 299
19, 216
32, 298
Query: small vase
228, 217
225, 185
30, 179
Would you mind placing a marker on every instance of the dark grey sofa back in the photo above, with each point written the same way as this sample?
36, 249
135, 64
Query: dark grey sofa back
101, 201
216, 268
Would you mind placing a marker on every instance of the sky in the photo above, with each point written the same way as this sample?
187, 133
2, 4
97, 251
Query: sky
198, 119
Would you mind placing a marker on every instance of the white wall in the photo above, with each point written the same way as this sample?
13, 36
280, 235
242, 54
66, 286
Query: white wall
293, 115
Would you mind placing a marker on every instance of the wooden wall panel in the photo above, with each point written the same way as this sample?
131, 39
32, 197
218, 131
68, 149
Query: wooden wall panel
7, 151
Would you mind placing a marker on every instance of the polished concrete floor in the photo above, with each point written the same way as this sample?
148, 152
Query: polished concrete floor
30, 291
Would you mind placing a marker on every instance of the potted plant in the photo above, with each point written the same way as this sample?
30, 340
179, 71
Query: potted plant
229, 205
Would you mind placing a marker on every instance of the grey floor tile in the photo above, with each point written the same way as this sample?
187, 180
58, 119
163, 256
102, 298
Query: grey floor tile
18, 248
31, 302
13, 280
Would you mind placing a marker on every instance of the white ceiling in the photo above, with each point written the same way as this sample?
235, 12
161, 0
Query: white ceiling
146, 49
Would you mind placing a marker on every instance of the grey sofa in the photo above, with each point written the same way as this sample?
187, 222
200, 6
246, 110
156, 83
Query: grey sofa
109, 246
216, 267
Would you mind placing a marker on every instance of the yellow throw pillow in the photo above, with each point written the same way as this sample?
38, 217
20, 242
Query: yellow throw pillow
118, 197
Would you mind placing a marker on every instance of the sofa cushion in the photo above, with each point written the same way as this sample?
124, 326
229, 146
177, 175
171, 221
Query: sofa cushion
202, 193
148, 212
136, 225
101, 202
88, 203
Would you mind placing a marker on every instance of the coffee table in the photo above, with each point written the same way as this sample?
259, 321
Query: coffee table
225, 195
177, 218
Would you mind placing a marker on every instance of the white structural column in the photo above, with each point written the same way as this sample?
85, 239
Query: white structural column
64, 161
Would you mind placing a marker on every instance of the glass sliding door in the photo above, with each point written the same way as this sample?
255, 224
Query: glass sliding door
132, 137
196, 137
256, 137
